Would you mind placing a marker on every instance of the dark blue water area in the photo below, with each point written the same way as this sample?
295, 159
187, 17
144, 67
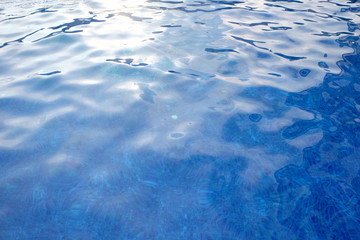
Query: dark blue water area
150, 119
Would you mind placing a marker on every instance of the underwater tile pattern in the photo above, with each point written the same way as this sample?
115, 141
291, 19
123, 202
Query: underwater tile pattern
152, 119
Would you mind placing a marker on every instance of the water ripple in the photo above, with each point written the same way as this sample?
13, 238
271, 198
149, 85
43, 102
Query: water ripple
154, 119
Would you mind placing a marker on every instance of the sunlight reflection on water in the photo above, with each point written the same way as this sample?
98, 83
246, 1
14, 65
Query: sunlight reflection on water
179, 119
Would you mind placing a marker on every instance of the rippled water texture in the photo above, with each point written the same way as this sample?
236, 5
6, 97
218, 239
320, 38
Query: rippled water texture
150, 119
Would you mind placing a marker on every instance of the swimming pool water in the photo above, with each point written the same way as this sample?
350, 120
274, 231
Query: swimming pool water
151, 119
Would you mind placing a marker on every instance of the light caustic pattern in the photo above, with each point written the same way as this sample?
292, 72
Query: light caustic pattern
154, 119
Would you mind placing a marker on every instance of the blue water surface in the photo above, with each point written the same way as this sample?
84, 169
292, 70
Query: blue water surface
179, 119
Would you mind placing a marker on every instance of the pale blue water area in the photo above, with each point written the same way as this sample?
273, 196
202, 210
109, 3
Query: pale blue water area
149, 119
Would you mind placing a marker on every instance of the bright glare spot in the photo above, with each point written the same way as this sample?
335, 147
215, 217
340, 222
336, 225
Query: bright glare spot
128, 86
122, 3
